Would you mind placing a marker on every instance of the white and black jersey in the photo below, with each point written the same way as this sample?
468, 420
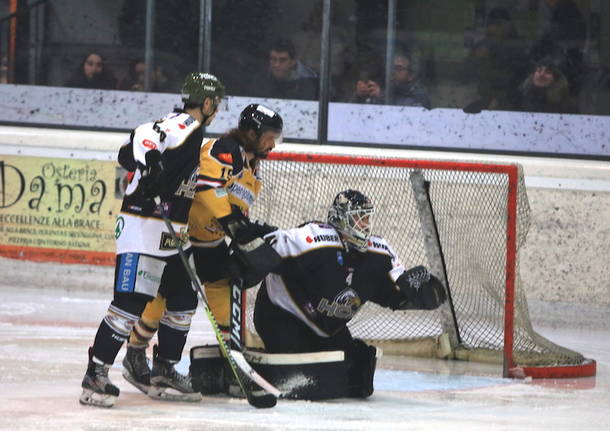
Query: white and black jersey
140, 227
323, 285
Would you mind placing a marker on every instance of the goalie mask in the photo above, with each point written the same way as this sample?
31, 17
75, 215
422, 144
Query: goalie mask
352, 215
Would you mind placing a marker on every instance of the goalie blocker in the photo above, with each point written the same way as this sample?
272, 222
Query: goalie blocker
300, 376
254, 257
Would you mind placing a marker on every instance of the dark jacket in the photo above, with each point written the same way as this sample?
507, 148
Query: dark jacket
302, 85
104, 81
412, 93
555, 98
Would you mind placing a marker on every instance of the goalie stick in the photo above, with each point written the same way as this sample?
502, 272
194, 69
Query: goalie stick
236, 328
258, 391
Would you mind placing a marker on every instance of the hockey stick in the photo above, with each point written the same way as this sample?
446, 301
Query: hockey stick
434, 250
235, 327
258, 391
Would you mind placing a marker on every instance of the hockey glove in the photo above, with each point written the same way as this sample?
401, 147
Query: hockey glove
125, 158
238, 268
253, 255
152, 182
421, 290
261, 228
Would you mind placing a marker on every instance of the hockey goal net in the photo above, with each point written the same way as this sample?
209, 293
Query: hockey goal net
464, 221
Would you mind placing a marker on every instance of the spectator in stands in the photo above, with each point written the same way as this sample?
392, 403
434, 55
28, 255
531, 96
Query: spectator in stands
407, 88
92, 72
307, 41
135, 79
176, 35
564, 35
594, 97
546, 89
286, 77
4, 70
497, 64
242, 31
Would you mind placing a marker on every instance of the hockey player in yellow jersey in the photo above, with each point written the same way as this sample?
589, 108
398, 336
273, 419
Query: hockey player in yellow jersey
227, 185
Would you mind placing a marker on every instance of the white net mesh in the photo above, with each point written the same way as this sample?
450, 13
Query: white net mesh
470, 211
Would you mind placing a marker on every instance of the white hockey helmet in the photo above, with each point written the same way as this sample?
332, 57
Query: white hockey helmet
351, 213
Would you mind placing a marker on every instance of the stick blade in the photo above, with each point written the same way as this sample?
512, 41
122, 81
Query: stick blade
262, 399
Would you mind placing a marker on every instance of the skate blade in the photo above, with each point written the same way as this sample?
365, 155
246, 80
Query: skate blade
91, 398
164, 393
141, 386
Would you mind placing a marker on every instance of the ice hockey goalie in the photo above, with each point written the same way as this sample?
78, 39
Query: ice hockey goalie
302, 309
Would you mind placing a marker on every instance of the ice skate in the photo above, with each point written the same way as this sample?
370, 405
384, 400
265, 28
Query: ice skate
135, 368
98, 390
168, 384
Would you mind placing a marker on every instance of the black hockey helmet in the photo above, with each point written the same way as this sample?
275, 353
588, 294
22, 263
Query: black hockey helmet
260, 119
351, 213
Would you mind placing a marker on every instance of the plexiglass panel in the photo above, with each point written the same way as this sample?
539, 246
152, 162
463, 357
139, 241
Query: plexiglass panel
431, 73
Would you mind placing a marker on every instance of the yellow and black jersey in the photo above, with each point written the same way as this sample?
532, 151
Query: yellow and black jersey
220, 159
225, 179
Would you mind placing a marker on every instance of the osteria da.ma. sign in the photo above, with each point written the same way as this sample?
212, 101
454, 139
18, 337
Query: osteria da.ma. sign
55, 209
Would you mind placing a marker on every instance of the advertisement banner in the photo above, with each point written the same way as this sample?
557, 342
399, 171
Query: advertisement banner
60, 210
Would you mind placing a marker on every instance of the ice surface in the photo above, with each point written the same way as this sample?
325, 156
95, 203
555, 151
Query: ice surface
44, 335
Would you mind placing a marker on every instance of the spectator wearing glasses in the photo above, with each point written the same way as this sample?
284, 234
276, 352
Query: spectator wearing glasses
407, 88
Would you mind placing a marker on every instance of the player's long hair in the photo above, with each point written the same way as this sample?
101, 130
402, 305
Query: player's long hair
249, 145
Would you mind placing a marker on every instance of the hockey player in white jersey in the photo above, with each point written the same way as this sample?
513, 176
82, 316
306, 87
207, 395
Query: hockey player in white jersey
227, 185
328, 271
164, 157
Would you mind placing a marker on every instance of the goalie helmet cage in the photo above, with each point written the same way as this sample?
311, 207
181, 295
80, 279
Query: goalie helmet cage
464, 221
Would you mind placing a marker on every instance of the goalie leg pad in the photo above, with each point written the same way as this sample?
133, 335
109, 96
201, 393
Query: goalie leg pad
304, 376
361, 363
207, 369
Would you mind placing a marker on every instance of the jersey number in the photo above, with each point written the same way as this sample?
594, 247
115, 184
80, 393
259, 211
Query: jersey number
226, 173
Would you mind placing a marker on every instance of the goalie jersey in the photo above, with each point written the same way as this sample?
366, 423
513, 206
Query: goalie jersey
323, 285
225, 180
140, 227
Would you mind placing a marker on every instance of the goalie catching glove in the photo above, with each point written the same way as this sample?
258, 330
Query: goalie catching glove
255, 258
421, 290
152, 181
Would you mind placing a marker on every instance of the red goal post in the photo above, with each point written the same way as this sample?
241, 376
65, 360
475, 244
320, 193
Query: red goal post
465, 221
